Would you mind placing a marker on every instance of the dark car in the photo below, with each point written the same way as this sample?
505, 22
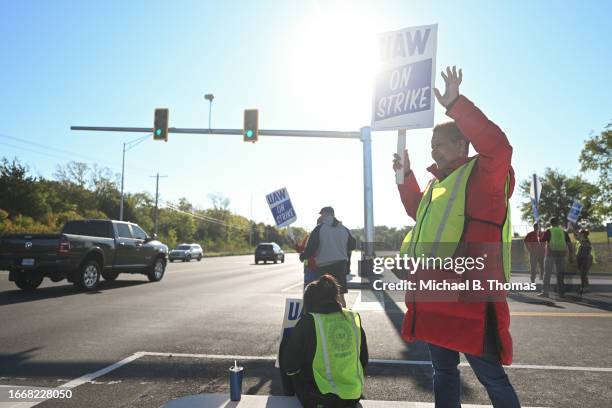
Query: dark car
186, 252
269, 251
82, 252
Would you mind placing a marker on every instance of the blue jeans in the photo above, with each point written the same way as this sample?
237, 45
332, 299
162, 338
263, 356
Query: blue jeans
310, 276
488, 370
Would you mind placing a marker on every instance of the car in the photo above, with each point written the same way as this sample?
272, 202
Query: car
269, 251
186, 252
82, 252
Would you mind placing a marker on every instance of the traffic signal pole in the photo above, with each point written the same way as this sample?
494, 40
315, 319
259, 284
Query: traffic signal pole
364, 135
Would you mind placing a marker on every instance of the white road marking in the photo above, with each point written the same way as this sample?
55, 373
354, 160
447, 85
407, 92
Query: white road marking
517, 366
378, 361
292, 286
361, 306
211, 356
91, 376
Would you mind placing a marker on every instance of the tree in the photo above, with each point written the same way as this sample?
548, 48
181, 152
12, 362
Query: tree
558, 194
597, 156
73, 172
21, 193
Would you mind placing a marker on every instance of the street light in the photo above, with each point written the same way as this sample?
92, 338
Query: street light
130, 145
209, 98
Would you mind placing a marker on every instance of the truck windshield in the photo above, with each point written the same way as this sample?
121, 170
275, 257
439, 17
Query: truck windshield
91, 228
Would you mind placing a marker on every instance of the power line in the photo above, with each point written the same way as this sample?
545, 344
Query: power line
68, 154
205, 218
34, 151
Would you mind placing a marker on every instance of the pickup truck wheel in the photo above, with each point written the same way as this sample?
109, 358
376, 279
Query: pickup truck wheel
30, 284
199, 258
110, 276
157, 270
89, 276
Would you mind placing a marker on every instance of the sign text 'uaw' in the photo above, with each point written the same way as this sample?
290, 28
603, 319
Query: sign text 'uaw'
403, 94
281, 207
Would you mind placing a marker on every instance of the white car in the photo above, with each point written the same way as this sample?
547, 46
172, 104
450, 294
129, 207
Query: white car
186, 252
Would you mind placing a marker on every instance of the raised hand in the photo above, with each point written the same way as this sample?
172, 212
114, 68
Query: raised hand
397, 164
452, 81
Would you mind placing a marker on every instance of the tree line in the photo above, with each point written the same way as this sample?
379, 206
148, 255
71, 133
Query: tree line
78, 191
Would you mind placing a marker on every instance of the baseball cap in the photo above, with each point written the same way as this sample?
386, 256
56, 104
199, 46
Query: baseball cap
327, 211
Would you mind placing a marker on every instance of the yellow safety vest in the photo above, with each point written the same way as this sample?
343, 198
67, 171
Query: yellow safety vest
557, 239
336, 366
441, 219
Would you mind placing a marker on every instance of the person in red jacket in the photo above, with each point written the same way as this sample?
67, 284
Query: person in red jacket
310, 265
535, 246
479, 329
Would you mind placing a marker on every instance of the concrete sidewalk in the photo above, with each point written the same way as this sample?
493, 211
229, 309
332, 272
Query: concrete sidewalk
266, 401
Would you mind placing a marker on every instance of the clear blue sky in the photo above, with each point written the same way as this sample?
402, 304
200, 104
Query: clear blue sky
538, 69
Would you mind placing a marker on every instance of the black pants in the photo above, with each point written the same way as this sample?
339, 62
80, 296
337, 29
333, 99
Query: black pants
338, 270
584, 265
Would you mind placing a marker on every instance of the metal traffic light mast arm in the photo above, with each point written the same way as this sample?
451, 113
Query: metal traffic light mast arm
262, 132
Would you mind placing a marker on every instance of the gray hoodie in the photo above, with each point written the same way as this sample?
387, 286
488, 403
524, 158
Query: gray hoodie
329, 242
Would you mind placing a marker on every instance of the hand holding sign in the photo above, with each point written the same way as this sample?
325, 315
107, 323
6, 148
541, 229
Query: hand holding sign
397, 163
452, 82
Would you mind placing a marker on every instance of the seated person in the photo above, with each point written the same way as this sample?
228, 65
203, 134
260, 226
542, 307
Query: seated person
326, 354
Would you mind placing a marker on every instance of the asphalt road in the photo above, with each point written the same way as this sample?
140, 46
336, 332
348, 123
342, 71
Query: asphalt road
223, 307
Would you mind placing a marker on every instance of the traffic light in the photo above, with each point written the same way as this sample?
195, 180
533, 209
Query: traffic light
251, 125
160, 127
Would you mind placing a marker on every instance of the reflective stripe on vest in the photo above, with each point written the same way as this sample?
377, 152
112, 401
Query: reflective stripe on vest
336, 366
557, 239
440, 219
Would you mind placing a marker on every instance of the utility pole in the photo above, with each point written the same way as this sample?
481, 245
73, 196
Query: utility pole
126, 147
156, 201
251, 232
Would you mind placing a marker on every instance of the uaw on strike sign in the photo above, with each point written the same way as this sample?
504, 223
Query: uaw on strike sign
281, 207
403, 96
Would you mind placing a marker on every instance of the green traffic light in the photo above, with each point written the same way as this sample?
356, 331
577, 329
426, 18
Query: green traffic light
249, 133
158, 132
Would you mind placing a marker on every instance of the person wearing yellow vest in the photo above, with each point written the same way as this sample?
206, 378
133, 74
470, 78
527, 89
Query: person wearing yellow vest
558, 247
463, 212
326, 353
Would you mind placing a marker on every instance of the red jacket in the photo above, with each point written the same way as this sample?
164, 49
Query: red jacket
534, 243
460, 326
299, 248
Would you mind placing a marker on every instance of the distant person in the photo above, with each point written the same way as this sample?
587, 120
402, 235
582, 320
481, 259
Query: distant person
326, 353
536, 252
330, 243
584, 257
558, 247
